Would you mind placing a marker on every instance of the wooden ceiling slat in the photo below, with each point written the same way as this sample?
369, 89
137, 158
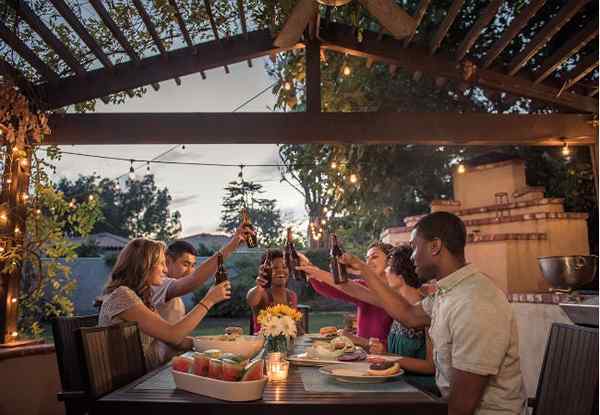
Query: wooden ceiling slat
513, 30
81, 31
549, 30
153, 33
573, 45
587, 65
240, 4
9, 71
213, 25
179, 62
23, 50
445, 26
47, 36
340, 38
423, 5
114, 29
481, 23
593, 92
321, 127
183, 29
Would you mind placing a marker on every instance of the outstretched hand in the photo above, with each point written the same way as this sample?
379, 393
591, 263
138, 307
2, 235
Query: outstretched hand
315, 272
354, 263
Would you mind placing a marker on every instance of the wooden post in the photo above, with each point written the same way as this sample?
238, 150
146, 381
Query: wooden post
594, 158
313, 76
15, 184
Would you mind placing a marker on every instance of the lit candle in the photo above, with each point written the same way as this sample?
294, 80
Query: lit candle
277, 367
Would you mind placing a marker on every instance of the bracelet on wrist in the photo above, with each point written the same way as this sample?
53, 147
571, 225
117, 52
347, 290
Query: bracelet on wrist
201, 304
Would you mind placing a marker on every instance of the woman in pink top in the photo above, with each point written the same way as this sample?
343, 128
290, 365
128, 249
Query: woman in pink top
371, 321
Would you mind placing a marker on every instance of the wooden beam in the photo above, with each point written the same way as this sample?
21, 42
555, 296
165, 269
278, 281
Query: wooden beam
423, 5
114, 29
213, 26
181, 23
445, 26
515, 27
573, 45
544, 35
47, 36
321, 127
484, 19
240, 4
9, 71
584, 67
16, 44
179, 62
313, 76
81, 31
340, 38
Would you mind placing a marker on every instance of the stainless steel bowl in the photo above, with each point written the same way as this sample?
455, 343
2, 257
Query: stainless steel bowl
569, 271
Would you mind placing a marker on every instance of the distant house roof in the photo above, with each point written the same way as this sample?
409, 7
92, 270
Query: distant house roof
209, 240
104, 240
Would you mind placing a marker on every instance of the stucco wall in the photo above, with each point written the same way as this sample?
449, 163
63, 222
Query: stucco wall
29, 385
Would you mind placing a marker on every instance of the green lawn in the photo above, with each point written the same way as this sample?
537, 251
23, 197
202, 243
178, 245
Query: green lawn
318, 319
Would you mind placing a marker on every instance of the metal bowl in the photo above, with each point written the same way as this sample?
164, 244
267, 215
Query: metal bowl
568, 271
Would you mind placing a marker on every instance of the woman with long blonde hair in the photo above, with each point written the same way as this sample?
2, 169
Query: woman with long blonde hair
128, 296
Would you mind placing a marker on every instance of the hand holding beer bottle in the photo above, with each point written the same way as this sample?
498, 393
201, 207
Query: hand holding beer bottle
338, 269
221, 274
250, 237
292, 259
265, 271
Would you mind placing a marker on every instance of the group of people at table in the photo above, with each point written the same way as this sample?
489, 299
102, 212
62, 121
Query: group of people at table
453, 327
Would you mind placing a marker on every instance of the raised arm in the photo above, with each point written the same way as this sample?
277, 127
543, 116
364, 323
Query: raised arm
257, 295
196, 279
396, 306
153, 325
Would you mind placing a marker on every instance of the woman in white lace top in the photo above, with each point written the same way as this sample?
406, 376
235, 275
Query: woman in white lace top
129, 297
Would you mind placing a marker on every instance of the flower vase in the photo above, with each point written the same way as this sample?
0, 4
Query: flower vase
277, 344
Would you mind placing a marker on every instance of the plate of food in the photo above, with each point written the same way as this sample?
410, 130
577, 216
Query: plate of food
325, 333
321, 353
364, 372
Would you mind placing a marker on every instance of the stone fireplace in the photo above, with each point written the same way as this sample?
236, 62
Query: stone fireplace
509, 224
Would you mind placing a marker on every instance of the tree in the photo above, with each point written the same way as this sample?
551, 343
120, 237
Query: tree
264, 214
139, 209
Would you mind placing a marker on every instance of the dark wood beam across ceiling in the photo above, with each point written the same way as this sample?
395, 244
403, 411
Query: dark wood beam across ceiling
420, 13
486, 16
323, 127
213, 25
445, 26
179, 62
340, 38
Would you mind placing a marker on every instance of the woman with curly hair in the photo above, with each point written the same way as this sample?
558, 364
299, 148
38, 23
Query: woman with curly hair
129, 296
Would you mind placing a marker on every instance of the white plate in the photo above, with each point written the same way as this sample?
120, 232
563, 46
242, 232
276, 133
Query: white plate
355, 373
302, 360
317, 336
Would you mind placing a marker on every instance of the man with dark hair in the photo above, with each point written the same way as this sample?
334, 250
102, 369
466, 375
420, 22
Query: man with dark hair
472, 327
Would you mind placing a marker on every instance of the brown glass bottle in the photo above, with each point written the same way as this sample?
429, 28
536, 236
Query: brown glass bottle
292, 259
268, 268
221, 274
338, 270
250, 238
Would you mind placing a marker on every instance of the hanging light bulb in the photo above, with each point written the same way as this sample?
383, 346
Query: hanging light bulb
117, 186
323, 221
147, 167
353, 178
334, 165
461, 168
3, 217
15, 149
72, 204
182, 148
23, 163
347, 71
287, 85
38, 212
17, 230
131, 172
91, 198
8, 181
13, 300
24, 197
14, 334
566, 151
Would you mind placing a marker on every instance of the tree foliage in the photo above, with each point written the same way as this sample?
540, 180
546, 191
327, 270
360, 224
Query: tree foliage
264, 214
139, 209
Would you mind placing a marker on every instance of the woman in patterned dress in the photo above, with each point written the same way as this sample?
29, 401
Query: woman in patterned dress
128, 296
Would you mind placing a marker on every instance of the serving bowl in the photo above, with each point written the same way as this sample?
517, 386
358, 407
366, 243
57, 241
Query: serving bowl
245, 346
568, 271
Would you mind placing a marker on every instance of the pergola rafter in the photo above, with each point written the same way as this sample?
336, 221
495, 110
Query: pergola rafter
484, 19
184, 31
445, 26
213, 26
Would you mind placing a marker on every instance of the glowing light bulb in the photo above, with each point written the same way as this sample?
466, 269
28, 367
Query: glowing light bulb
23, 163
117, 186
38, 212
17, 230
353, 178
334, 165
461, 168
131, 173
566, 151
347, 71
14, 300
3, 217
24, 197
91, 198
323, 221
8, 181
287, 86
14, 334
72, 204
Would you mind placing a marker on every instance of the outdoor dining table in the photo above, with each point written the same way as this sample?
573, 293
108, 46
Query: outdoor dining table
152, 395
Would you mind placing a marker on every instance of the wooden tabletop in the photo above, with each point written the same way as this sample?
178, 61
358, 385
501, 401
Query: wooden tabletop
289, 396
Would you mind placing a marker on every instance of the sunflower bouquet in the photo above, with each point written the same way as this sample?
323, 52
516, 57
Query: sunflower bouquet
278, 324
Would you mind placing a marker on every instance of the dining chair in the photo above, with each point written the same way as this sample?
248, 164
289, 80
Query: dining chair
68, 358
568, 381
112, 357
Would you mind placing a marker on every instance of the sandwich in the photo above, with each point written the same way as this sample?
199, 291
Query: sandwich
384, 369
328, 331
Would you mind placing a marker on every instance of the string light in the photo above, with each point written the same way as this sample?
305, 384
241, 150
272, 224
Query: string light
91, 198
14, 334
17, 230
334, 165
353, 178
461, 168
347, 71
117, 186
8, 181
323, 221
72, 204
38, 212
24, 197
566, 151
131, 171
15, 149
147, 167
287, 85
23, 163
13, 300
3, 217
182, 148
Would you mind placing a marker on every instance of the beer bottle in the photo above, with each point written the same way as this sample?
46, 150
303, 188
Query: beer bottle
221, 274
338, 270
249, 237
268, 267
292, 259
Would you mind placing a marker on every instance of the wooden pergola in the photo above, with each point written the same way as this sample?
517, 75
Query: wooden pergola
572, 89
